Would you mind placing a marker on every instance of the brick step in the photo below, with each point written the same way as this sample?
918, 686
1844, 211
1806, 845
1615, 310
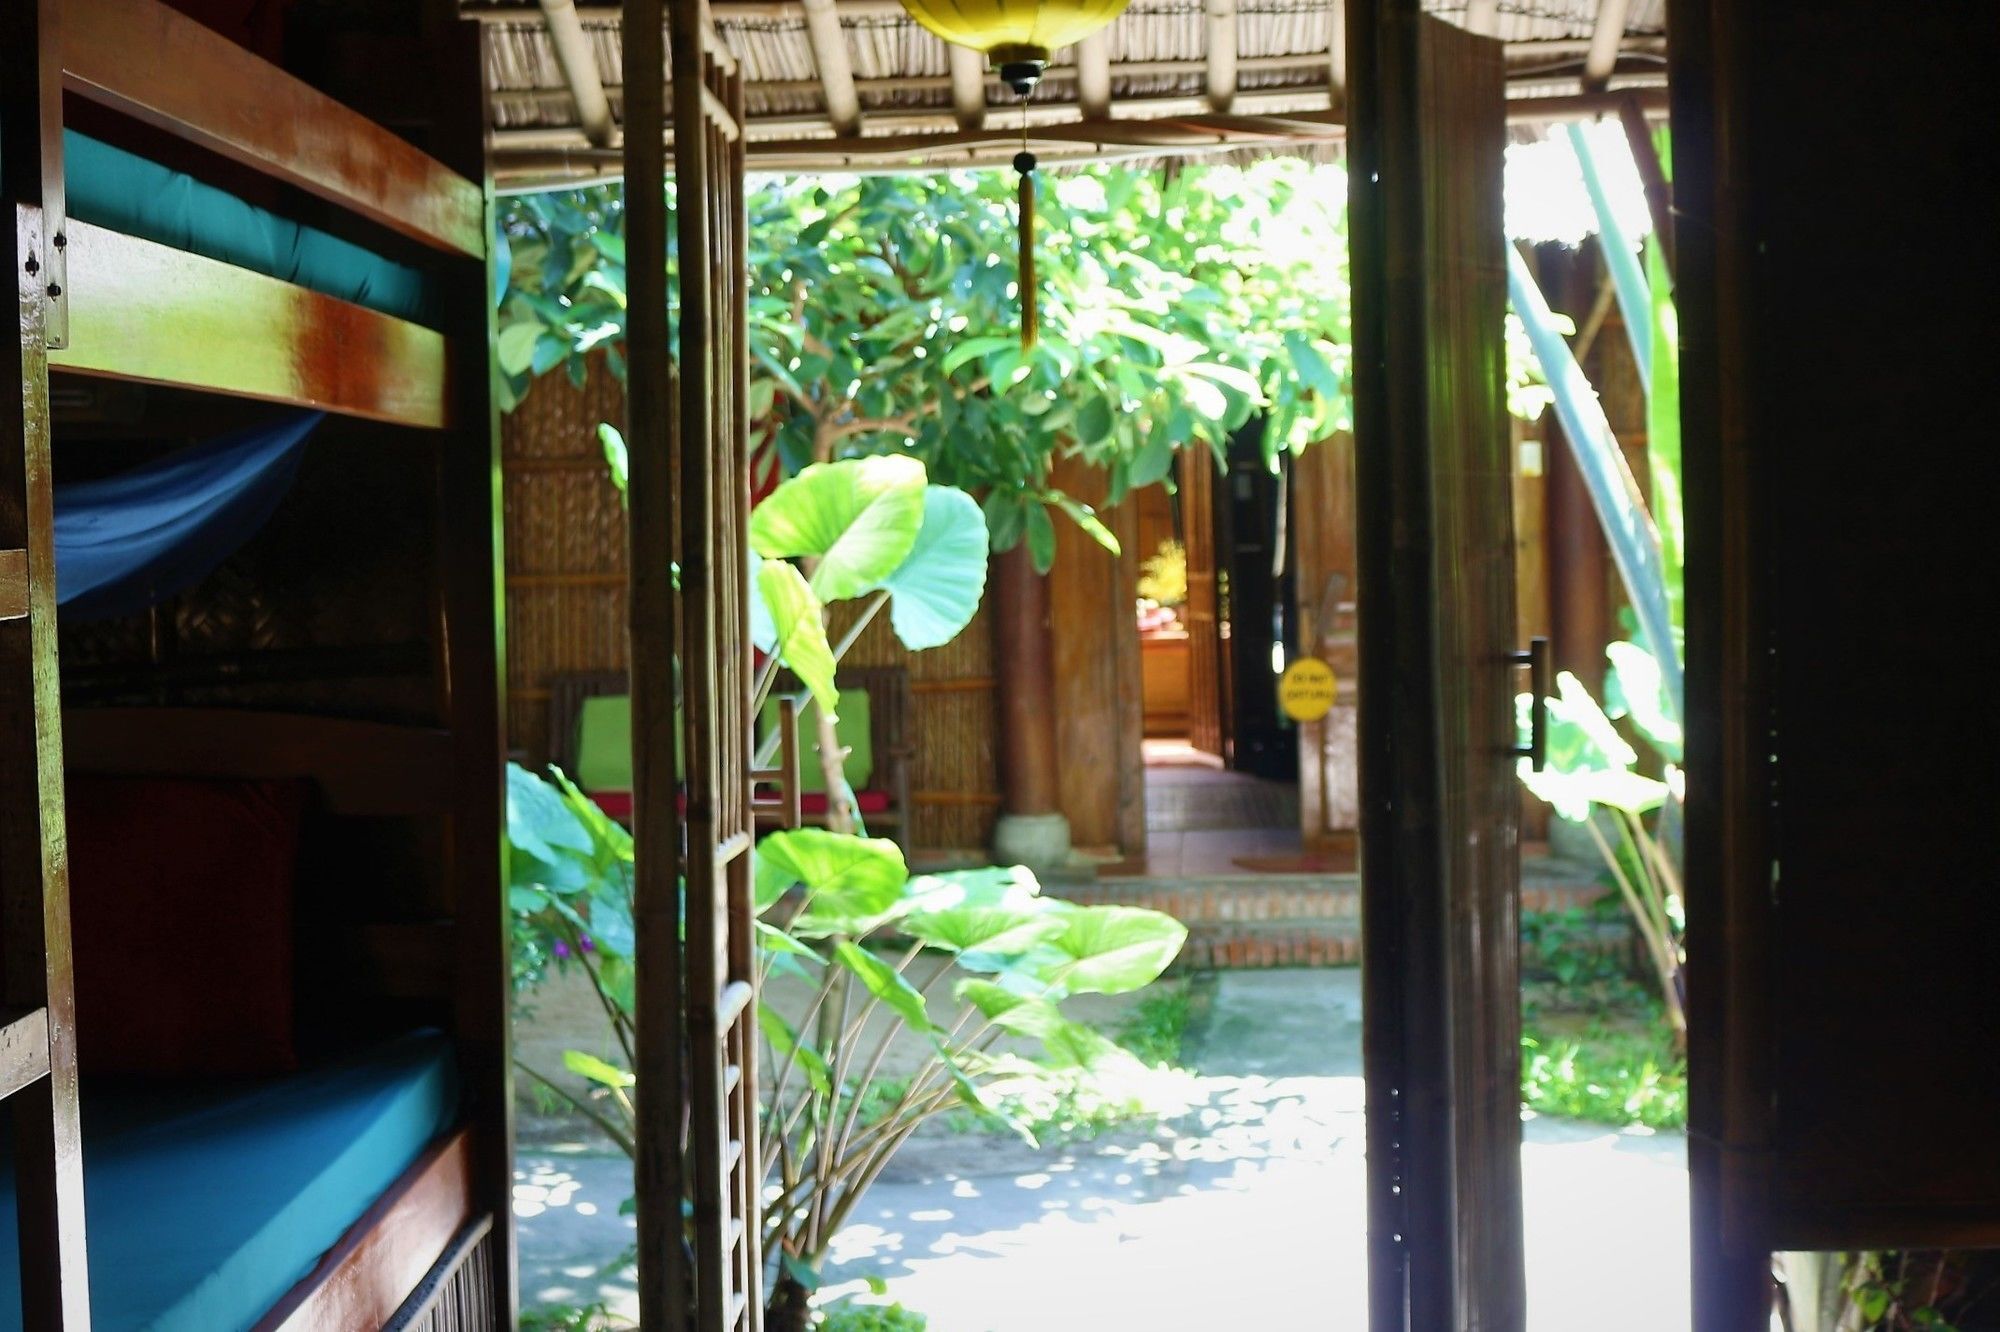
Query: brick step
1277, 898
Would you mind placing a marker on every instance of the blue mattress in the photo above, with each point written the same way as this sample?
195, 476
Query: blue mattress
122, 191
202, 1208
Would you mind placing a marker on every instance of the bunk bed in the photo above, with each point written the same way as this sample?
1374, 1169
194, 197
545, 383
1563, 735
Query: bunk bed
253, 976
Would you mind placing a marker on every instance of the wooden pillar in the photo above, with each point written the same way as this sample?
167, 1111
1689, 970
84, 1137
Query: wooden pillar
1579, 566
1032, 829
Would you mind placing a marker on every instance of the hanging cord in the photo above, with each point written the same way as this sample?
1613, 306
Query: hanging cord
1024, 162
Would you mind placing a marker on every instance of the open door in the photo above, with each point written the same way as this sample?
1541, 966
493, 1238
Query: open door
689, 492
1440, 807
1842, 1002
1208, 723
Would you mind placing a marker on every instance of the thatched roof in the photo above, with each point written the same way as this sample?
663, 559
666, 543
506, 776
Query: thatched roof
858, 85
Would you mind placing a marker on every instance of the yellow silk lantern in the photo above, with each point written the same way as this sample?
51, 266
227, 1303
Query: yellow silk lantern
1018, 36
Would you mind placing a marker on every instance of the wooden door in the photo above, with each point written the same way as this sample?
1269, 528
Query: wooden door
690, 509
1208, 720
1841, 736
1440, 807
1322, 520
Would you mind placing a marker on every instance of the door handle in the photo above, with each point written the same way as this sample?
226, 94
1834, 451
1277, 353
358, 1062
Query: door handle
1540, 685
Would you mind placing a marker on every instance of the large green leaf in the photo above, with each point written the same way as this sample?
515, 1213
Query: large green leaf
935, 591
1109, 949
858, 517
538, 822
1635, 689
1068, 1043
975, 912
885, 983
844, 877
798, 629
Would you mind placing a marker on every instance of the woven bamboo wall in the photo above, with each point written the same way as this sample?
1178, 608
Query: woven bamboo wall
566, 613
565, 547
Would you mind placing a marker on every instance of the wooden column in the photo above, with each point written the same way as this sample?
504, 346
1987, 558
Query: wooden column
1031, 787
1579, 566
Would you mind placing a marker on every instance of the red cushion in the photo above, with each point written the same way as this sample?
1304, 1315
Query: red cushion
181, 923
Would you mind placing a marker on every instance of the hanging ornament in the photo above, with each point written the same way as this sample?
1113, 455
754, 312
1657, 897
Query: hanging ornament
1019, 37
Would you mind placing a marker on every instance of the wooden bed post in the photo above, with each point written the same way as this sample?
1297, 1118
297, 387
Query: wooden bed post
474, 659
659, 1171
37, 996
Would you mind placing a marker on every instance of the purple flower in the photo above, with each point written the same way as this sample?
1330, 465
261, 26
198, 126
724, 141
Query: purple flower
561, 950
588, 945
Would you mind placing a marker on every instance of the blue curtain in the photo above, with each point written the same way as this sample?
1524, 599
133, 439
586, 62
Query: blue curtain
128, 541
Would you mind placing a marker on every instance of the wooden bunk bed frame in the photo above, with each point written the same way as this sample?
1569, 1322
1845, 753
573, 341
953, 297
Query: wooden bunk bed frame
435, 1252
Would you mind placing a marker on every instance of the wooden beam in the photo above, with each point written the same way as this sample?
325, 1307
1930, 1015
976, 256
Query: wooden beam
1652, 176
158, 315
1605, 40
836, 69
144, 60
1093, 76
1221, 54
578, 63
968, 85
1337, 55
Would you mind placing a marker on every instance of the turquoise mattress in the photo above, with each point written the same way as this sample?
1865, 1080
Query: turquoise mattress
204, 1207
122, 191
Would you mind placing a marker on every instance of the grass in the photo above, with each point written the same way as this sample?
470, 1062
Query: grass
1594, 1043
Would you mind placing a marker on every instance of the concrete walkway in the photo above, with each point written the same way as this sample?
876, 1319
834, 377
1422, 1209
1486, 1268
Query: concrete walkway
1248, 1213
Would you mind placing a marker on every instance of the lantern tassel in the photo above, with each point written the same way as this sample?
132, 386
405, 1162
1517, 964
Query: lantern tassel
1024, 162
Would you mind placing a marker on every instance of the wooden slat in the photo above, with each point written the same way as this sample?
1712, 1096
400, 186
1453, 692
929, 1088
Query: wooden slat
13, 584
24, 1050
360, 767
578, 63
364, 1279
147, 312
145, 60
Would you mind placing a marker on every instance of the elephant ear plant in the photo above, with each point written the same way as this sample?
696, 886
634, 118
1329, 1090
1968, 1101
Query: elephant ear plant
947, 966
963, 975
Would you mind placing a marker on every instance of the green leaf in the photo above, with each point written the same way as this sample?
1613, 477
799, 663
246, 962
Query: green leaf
1094, 421
974, 912
616, 457
860, 517
885, 983
798, 630
1041, 538
845, 878
1112, 949
973, 348
1086, 517
515, 346
597, 1070
538, 822
1635, 688
935, 591
1313, 368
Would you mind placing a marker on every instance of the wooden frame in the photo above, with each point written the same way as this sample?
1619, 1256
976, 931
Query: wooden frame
117, 306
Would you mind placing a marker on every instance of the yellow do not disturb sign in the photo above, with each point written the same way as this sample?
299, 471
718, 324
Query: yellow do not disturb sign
1306, 689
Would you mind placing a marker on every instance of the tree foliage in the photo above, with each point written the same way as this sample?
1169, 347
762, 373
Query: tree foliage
885, 317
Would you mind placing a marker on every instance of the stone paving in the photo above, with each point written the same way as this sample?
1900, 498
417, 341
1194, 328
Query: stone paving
1246, 1213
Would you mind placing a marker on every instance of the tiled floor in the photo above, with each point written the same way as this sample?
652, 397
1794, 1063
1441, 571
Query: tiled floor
1203, 821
